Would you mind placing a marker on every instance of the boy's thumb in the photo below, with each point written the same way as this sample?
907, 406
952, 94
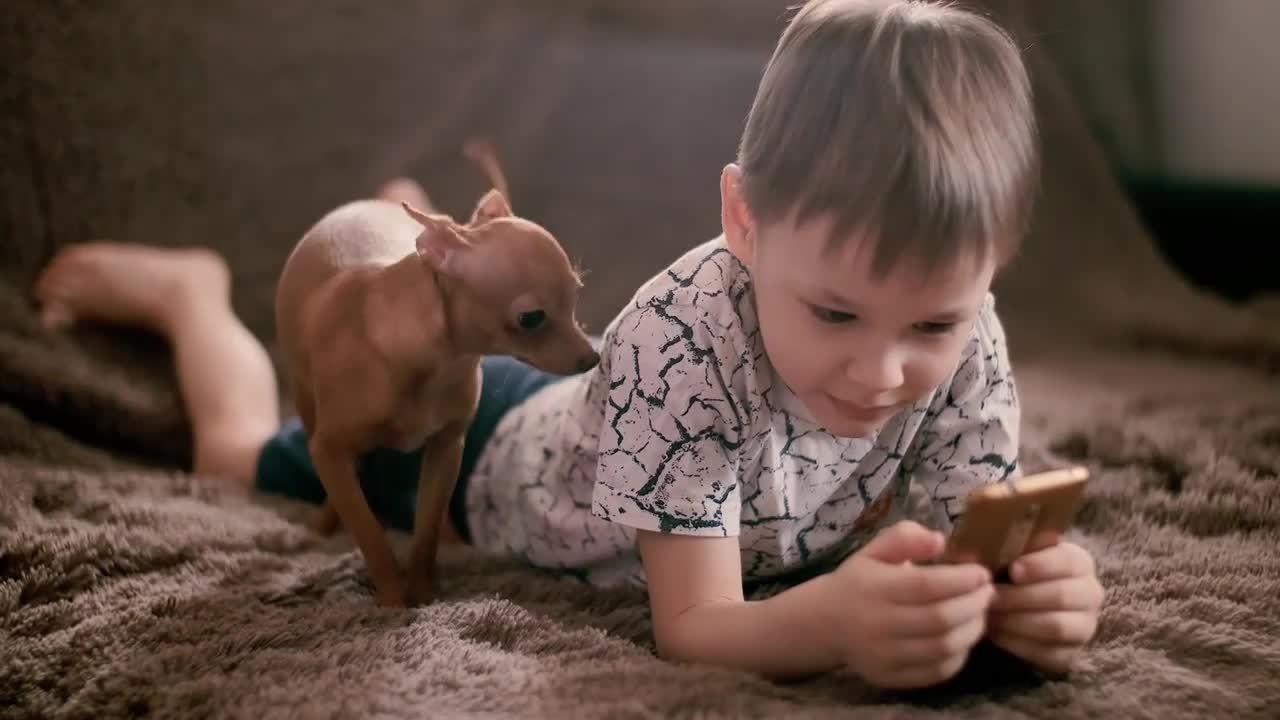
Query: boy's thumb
906, 541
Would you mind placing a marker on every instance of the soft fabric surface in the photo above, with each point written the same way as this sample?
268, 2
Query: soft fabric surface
126, 590
128, 587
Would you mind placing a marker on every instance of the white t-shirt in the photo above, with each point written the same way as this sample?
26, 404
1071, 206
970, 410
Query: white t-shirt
684, 427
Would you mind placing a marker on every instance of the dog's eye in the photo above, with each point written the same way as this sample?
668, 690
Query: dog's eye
532, 320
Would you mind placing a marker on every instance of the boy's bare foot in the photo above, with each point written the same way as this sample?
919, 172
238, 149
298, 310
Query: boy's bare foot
225, 375
131, 285
404, 190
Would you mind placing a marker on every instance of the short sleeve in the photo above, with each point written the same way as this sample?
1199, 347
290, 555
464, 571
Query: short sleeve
971, 430
668, 452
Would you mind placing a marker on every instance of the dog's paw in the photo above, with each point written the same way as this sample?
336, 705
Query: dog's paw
391, 597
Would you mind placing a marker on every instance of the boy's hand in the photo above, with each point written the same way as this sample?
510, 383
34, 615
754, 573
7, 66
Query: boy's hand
1050, 612
901, 625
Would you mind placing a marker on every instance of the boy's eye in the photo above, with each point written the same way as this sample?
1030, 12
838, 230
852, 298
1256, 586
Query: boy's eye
833, 317
935, 328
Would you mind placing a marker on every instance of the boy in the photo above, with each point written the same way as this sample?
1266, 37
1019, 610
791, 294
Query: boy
762, 406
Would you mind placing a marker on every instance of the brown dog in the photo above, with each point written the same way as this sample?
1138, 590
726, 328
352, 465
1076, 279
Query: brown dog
383, 313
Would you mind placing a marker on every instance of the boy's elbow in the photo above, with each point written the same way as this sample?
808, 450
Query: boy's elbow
688, 636
671, 653
675, 640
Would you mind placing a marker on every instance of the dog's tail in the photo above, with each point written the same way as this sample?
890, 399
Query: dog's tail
481, 151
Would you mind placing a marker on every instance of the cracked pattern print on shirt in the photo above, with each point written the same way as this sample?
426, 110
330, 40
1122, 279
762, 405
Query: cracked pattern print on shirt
685, 428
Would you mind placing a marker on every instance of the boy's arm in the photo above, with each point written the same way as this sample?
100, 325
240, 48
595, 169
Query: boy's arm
700, 615
879, 615
668, 467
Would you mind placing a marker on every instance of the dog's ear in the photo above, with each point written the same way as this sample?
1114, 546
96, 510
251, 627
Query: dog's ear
439, 243
492, 205
425, 219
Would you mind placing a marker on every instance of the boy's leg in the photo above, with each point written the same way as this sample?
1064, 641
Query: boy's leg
225, 377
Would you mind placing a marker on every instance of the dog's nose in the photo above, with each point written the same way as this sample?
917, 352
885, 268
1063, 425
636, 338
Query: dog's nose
588, 361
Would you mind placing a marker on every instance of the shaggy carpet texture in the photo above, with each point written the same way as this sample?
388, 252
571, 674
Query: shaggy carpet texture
129, 587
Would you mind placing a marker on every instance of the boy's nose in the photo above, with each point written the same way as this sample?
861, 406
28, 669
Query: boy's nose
876, 373
588, 361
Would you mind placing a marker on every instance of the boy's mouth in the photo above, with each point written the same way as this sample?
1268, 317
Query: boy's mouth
859, 412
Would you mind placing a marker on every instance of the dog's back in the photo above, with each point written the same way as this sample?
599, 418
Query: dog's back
359, 234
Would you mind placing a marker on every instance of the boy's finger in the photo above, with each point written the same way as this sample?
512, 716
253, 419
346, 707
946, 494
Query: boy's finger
924, 675
1058, 561
935, 649
1077, 593
925, 585
1049, 658
904, 542
1048, 628
940, 618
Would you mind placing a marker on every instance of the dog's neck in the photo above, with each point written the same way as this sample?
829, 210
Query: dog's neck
408, 314
410, 304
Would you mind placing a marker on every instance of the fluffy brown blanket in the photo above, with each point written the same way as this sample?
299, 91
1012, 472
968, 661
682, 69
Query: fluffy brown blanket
130, 588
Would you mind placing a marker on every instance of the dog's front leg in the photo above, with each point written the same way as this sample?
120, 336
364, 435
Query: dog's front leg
337, 470
441, 459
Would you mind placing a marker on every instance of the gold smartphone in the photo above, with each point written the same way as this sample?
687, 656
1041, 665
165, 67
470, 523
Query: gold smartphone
1004, 521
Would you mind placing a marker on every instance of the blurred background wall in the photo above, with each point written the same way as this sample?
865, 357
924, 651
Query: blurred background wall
1183, 96
239, 122
1218, 89
1179, 89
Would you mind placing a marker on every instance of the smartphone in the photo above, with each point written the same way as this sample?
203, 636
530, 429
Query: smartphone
1004, 521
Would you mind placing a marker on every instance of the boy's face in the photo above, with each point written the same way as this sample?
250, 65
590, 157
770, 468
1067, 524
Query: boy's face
855, 349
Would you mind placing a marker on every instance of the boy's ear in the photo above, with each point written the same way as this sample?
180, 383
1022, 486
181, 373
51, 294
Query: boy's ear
439, 243
735, 217
492, 205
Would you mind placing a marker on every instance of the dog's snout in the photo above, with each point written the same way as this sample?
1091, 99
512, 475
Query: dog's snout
588, 361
